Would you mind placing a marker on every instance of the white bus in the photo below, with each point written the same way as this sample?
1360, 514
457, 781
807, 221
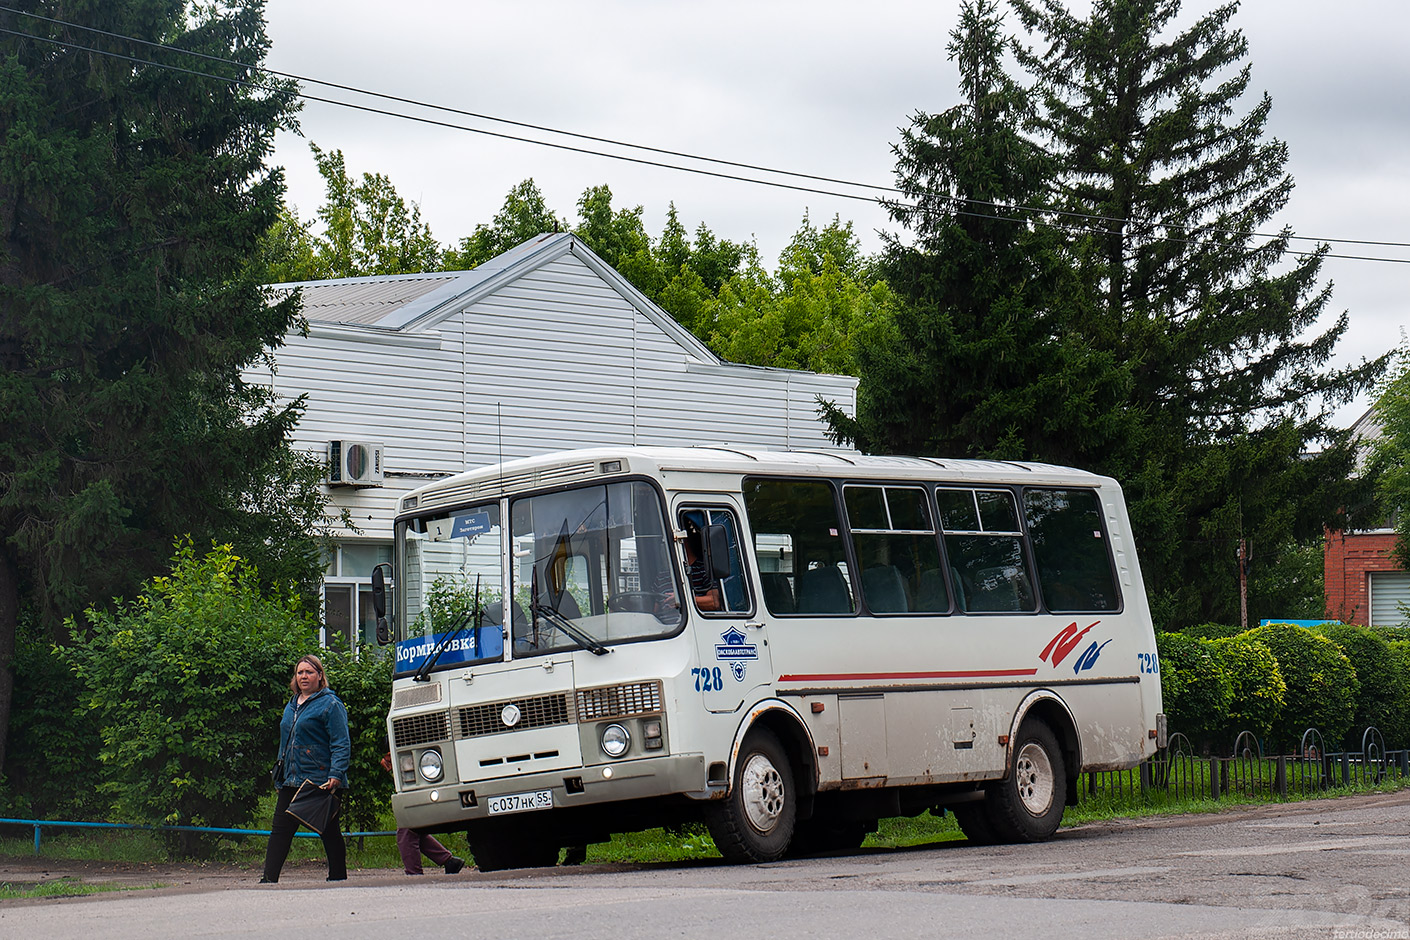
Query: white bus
787, 646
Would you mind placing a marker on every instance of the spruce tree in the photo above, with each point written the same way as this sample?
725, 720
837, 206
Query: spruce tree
1166, 175
985, 356
132, 198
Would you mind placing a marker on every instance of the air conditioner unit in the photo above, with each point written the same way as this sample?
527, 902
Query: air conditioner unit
354, 463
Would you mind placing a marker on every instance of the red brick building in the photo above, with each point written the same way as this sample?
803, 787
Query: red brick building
1362, 582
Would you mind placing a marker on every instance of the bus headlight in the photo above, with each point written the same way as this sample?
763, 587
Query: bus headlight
431, 768
615, 740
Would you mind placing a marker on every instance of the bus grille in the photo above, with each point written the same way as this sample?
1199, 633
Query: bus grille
542, 712
427, 693
619, 701
420, 729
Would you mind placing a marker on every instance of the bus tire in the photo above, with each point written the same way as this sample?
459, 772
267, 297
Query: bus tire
973, 819
1027, 805
755, 822
512, 851
815, 836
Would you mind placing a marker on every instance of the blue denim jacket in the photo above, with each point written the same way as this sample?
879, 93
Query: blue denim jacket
313, 740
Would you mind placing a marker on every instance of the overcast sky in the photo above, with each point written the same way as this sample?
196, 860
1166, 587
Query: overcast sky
818, 88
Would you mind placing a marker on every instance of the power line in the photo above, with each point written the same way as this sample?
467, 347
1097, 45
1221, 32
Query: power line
451, 110
956, 200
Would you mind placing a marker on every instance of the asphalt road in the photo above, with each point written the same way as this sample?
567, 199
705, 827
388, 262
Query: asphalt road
1333, 869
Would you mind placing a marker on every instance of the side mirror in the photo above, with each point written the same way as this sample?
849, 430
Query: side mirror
717, 552
379, 603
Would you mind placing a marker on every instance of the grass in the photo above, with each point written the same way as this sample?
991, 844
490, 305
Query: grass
145, 847
692, 843
62, 888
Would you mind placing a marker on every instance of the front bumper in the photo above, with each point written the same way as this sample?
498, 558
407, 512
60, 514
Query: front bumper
630, 780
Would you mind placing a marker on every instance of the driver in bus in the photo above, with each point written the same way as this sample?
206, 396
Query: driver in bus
705, 588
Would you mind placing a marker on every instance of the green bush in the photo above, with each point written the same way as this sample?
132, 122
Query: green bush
1212, 631
1195, 690
1384, 686
364, 683
52, 752
1321, 685
1399, 736
1257, 687
186, 686
1391, 634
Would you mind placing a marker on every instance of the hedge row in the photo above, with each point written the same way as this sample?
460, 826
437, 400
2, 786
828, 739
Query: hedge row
165, 710
1280, 679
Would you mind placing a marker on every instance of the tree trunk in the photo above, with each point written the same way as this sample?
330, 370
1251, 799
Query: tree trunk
9, 625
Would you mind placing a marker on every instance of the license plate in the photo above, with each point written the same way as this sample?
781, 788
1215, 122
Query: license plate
521, 802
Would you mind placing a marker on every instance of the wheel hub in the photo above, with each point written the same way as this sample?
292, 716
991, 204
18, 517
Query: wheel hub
763, 793
1033, 775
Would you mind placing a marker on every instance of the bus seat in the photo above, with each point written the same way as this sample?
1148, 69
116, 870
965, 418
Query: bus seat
823, 591
930, 591
778, 593
568, 606
1004, 587
885, 590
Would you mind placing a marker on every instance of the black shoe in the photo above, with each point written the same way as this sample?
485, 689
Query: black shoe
454, 865
268, 881
339, 878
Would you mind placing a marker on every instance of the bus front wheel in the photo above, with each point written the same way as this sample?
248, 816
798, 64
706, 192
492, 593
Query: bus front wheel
755, 822
1027, 805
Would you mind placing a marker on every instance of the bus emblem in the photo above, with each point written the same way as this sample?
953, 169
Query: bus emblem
509, 715
734, 651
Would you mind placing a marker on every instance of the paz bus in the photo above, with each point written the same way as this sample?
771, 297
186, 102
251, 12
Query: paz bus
787, 646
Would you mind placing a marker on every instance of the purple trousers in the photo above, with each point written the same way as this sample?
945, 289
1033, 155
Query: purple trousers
411, 844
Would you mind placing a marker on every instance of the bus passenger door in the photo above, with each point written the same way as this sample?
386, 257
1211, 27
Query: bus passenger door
723, 613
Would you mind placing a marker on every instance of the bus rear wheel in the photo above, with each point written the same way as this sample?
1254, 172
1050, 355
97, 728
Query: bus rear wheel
974, 823
816, 836
755, 822
1027, 805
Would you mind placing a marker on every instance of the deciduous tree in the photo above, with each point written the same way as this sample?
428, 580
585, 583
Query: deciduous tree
1390, 461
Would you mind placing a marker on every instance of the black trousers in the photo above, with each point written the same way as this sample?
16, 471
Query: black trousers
282, 836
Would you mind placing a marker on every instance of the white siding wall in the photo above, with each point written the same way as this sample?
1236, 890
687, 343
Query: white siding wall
565, 359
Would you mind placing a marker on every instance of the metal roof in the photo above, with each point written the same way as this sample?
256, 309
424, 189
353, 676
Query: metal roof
364, 301
411, 303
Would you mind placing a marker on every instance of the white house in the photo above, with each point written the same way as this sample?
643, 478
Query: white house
543, 348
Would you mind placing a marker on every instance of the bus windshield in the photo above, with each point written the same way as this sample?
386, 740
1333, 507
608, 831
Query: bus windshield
592, 567
448, 560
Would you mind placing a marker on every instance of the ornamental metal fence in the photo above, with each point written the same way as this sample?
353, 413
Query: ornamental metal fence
1180, 772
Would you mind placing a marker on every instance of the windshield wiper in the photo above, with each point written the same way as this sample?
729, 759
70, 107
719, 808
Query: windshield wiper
585, 639
552, 615
423, 673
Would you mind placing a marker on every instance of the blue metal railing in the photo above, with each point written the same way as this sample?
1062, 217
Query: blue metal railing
61, 823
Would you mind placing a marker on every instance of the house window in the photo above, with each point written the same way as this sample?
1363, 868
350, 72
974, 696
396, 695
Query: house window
1390, 598
348, 619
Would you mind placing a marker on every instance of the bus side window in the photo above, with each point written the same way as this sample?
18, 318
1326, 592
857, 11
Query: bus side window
985, 545
894, 540
1070, 550
732, 588
799, 545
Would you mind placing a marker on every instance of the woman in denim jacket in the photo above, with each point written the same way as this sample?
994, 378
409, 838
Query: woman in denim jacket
313, 745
